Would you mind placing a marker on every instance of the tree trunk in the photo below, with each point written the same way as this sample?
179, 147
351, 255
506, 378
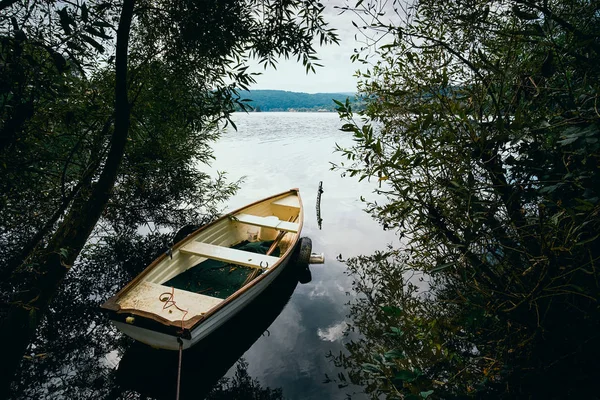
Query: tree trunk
34, 242
26, 311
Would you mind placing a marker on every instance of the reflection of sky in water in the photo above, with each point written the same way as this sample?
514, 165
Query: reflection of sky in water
333, 333
276, 152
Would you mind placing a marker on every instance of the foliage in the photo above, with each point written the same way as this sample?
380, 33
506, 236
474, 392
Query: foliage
482, 130
57, 96
106, 107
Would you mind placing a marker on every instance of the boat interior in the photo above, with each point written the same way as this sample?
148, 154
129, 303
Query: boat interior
206, 268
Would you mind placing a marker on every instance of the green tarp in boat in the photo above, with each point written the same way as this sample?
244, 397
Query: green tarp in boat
217, 278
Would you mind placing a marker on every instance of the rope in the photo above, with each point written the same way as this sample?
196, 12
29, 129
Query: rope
170, 302
179, 368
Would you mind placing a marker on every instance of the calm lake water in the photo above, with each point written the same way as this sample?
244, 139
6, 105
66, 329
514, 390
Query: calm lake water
278, 347
276, 152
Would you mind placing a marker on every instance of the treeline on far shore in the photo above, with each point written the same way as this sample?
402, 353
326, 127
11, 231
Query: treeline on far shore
280, 100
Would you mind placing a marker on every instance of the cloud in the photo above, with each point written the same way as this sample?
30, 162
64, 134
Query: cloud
333, 333
337, 72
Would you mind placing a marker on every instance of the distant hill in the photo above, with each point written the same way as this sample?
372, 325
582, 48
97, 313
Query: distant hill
281, 100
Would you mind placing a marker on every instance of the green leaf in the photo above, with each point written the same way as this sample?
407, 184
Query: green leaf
372, 368
84, 13
377, 357
65, 20
568, 140
405, 375
392, 310
550, 189
395, 354
426, 394
93, 42
397, 331
64, 253
96, 32
442, 267
524, 15
232, 124
348, 128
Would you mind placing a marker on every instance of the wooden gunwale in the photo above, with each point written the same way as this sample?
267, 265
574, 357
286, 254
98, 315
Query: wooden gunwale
112, 305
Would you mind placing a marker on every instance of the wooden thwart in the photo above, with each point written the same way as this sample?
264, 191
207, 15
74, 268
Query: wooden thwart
267, 222
226, 254
146, 296
288, 201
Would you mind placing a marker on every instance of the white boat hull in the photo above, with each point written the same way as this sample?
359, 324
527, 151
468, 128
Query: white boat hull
151, 310
170, 342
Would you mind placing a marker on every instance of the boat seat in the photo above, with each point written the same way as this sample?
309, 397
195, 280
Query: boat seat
146, 297
288, 201
226, 254
267, 222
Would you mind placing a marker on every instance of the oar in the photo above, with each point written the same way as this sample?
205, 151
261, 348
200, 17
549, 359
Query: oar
276, 242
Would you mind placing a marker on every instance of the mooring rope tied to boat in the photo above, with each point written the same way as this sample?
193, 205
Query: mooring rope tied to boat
179, 367
169, 301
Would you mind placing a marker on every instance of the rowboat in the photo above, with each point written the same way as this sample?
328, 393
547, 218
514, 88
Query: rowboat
211, 275
151, 372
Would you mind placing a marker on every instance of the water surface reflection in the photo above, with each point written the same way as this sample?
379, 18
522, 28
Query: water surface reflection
275, 152
78, 354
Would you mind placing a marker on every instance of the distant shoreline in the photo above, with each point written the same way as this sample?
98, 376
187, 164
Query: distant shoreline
286, 111
285, 101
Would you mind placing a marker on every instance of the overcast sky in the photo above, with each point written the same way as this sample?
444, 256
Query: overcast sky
335, 76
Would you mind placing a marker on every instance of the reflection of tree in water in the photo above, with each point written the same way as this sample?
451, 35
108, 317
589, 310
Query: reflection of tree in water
418, 343
407, 346
241, 386
76, 349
